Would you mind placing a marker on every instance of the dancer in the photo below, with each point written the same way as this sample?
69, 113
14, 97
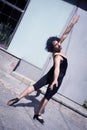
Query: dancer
54, 76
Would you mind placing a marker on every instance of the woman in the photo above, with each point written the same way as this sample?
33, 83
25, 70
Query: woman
55, 75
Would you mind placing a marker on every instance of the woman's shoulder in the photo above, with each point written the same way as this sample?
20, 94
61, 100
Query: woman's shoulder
62, 54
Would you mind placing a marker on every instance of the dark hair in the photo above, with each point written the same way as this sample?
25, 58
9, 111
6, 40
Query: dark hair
49, 46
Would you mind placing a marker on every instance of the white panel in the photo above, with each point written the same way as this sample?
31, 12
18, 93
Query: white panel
43, 18
75, 83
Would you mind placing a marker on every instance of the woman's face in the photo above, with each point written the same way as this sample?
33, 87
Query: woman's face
57, 46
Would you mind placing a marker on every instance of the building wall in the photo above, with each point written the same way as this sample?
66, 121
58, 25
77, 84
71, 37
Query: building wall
7, 61
42, 19
74, 86
29, 42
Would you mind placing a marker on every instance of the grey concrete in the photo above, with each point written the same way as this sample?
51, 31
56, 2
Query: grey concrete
7, 61
20, 116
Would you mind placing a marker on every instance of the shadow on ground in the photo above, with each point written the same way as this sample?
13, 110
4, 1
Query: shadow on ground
33, 102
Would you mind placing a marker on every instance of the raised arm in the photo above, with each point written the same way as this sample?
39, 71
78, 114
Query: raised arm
68, 29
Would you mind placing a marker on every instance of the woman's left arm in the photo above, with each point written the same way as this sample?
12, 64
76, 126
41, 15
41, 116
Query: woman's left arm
69, 28
57, 61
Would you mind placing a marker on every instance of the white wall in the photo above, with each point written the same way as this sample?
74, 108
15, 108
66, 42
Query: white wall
42, 19
74, 86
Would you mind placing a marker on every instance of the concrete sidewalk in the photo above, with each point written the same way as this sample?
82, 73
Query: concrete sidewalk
20, 116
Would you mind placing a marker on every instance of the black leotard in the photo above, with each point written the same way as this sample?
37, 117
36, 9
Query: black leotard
48, 79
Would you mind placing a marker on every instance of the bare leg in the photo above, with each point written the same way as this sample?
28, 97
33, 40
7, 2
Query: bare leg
27, 91
42, 106
40, 109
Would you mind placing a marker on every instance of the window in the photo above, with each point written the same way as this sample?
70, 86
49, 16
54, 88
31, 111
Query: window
10, 13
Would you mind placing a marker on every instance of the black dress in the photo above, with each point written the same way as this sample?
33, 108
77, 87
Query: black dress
48, 79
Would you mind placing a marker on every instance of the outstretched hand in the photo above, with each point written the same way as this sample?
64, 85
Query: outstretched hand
75, 19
